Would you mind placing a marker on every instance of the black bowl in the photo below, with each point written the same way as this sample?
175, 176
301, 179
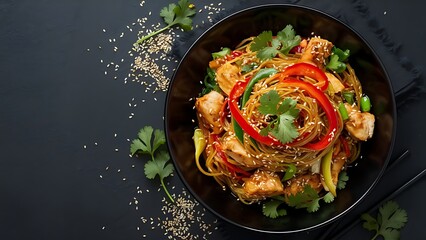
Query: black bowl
229, 32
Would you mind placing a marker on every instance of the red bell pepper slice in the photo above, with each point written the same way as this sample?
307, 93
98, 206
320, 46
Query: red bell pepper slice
309, 70
234, 95
312, 90
234, 54
232, 168
327, 107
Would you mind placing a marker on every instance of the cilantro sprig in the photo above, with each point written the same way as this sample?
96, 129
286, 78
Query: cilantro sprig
268, 46
308, 199
283, 114
273, 208
159, 164
390, 220
174, 14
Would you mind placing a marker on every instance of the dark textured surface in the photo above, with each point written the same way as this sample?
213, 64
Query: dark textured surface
55, 98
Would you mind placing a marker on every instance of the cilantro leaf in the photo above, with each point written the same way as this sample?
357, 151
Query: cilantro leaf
268, 47
328, 197
282, 126
337, 58
159, 139
143, 143
335, 65
392, 215
290, 172
148, 142
288, 39
269, 102
167, 13
288, 106
174, 14
308, 198
182, 15
313, 206
285, 131
261, 41
342, 179
370, 222
272, 209
390, 234
269, 52
159, 167
390, 220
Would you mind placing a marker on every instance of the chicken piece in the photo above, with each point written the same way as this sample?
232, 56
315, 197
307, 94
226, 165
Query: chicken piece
335, 83
360, 125
226, 76
236, 151
297, 184
317, 51
263, 184
213, 64
209, 109
337, 166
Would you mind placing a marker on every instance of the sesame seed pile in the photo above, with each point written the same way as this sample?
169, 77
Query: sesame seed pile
183, 216
148, 65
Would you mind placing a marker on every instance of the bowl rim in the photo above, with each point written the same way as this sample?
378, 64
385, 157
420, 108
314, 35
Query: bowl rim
374, 54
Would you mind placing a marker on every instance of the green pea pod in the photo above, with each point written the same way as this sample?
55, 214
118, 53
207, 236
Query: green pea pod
199, 143
263, 73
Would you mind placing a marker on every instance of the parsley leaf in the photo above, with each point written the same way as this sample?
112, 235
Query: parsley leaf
272, 209
390, 220
268, 47
283, 113
159, 164
174, 14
